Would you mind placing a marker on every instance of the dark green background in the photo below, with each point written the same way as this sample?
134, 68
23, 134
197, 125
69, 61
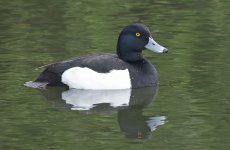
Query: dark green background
194, 75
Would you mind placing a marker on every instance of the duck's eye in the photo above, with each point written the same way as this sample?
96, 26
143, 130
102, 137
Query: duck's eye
138, 34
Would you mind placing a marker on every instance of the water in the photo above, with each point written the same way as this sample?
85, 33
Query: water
189, 109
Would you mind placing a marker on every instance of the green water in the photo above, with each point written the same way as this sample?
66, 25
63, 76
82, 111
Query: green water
193, 94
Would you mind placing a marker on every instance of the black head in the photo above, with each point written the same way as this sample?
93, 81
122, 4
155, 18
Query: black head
133, 39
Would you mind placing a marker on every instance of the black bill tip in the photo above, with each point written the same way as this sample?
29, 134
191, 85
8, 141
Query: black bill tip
165, 50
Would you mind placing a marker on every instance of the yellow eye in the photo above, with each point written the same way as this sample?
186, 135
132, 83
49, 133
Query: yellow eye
138, 34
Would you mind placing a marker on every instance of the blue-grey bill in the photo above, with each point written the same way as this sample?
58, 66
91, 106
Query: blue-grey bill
155, 47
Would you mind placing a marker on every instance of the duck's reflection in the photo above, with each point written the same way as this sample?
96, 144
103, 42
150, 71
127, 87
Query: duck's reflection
129, 104
137, 126
88, 99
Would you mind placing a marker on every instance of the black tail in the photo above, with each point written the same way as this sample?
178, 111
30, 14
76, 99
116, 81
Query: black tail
52, 79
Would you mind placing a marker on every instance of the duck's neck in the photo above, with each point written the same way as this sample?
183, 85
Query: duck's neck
127, 50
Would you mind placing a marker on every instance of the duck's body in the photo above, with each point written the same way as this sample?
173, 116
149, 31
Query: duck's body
140, 72
127, 69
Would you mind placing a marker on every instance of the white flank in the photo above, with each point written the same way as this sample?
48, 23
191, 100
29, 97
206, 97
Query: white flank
85, 78
86, 99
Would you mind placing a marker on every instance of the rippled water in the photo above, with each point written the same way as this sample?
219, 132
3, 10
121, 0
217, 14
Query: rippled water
189, 109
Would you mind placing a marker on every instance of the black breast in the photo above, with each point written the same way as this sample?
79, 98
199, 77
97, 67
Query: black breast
142, 74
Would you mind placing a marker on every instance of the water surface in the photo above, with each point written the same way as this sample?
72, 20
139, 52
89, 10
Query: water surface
189, 111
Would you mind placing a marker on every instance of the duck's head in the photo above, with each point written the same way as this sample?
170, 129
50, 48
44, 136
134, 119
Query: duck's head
135, 38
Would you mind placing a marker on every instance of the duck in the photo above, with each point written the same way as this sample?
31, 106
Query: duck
125, 70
